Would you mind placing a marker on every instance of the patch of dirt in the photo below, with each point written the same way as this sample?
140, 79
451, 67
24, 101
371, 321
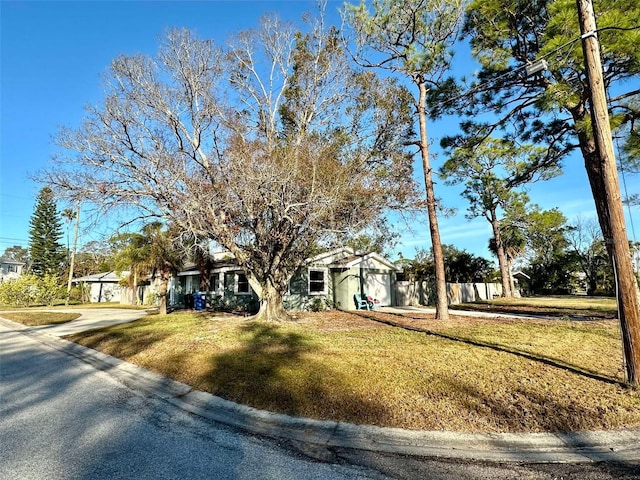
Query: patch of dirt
339, 320
427, 322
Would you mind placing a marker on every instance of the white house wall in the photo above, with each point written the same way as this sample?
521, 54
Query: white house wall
377, 284
105, 292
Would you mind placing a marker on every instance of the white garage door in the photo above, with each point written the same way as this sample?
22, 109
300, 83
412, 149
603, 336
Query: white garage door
378, 285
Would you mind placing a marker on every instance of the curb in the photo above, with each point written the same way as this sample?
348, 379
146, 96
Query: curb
570, 447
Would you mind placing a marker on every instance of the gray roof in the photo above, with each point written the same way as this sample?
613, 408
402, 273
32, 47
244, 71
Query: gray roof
10, 261
104, 277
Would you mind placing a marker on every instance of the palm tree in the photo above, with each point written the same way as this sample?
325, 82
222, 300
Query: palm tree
514, 243
69, 215
131, 255
150, 253
163, 259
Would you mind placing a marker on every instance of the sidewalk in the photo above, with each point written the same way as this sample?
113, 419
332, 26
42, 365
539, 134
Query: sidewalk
575, 447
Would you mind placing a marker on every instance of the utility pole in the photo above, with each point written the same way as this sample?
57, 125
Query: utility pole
73, 254
628, 305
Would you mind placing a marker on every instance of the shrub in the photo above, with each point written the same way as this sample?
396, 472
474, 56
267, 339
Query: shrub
317, 304
49, 289
19, 292
28, 290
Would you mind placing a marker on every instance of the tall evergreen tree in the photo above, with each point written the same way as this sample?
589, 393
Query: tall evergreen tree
412, 39
47, 253
490, 174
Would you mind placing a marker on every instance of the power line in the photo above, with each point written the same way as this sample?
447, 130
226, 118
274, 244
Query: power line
481, 85
15, 196
13, 239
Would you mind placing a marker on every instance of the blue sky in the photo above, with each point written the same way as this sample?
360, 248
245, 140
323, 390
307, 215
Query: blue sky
53, 54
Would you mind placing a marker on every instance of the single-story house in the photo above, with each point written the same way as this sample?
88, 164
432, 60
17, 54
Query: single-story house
103, 287
330, 279
336, 276
11, 269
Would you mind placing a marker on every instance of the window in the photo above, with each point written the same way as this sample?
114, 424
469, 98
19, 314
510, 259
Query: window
242, 284
214, 283
317, 281
13, 268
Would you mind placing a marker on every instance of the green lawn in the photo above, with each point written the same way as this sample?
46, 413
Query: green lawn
490, 375
60, 305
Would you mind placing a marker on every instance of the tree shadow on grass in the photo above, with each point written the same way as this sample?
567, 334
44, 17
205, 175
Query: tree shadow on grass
551, 361
120, 344
275, 370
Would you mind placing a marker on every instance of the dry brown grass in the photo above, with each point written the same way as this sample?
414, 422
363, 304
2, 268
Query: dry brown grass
491, 375
34, 318
560, 305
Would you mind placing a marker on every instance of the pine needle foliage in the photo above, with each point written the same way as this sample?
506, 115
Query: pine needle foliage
47, 253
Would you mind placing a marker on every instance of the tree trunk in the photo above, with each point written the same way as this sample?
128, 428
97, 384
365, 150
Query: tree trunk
134, 298
73, 254
271, 305
505, 274
512, 283
163, 288
592, 285
442, 308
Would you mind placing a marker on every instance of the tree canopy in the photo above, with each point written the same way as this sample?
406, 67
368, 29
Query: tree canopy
270, 145
586, 243
462, 266
550, 107
152, 254
17, 253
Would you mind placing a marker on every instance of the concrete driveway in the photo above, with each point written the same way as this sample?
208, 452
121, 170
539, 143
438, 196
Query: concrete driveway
89, 318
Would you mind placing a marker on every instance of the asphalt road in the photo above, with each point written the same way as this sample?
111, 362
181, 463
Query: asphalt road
61, 418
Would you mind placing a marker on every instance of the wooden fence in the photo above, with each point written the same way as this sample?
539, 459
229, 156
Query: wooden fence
417, 293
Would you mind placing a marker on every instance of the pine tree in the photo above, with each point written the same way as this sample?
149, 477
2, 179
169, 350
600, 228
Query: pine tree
47, 253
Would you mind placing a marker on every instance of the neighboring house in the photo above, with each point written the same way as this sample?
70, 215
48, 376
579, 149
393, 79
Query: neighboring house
330, 279
103, 287
10, 269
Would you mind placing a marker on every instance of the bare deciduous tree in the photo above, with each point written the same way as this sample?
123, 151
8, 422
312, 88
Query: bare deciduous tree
270, 146
586, 240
